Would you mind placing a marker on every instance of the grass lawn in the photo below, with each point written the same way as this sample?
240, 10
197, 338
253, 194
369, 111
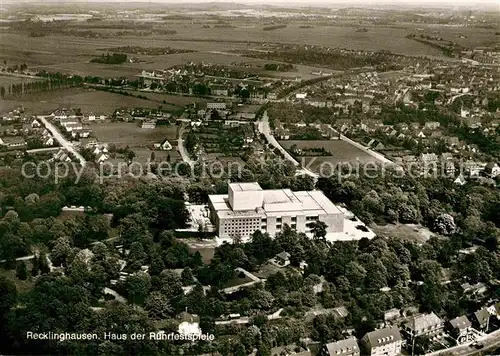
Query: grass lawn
409, 232
237, 281
268, 269
341, 152
100, 102
207, 253
21, 286
131, 134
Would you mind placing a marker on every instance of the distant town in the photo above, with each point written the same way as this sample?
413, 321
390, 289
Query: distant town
242, 180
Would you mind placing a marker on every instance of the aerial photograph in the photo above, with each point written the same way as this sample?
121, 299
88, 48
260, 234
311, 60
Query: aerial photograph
249, 177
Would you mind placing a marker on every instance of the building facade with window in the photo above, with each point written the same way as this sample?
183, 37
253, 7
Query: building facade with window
248, 208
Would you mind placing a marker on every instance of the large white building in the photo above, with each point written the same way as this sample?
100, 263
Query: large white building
248, 208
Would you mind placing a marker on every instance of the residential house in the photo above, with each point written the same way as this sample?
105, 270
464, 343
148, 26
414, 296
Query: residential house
472, 168
148, 124
492, 169
429, 325
189, 325
73, 127
81, 133
446, 157
12, 142
481, 319
282, 133
475, 290
428, 158
301, 123
48, 141
69, 121
216, 106
219, 90
453, 141
35, 124
448, 168
282, 259
61, 156
382, 342
165, 145
420, 134
432, 125
26, 129
102, 157
8, 130
392, 314
272, 96
460, 180
460, 329
88, 142
347, 347
414, 125
317, 102
473, 122
370, 125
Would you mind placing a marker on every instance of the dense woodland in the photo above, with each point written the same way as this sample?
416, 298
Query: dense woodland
144, 216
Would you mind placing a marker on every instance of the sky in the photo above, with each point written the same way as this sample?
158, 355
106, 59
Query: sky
305, 2
330, 3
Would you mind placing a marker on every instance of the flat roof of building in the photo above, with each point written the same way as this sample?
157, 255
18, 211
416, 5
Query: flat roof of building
245, 187
277, 202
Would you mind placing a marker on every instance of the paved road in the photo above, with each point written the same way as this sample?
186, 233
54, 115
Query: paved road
265, 129
490, 341
182, 149
61, 139
117, 296
48, 149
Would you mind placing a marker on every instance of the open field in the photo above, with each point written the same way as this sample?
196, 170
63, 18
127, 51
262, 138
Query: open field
87, 99
173, 100
410, 232
342, 152
72, 54
6, 80
143, 154
131, 134
21, 286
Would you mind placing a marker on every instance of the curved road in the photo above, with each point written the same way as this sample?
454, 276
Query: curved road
182, 149
265, 129
490, 341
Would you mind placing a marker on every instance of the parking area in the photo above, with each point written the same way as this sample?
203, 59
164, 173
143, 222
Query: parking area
199, 218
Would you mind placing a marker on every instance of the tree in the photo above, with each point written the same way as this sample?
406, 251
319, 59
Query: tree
318, 229
61, 251
171, 285
21, 270
136, 255
138, 286
157, 266
444, 224
158, 306
187, 276
43, 263
9, 295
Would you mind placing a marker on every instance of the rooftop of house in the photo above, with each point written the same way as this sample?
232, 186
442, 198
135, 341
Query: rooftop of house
382, 337
187, 317
460, 322
423, 321
482, 315
342, 347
